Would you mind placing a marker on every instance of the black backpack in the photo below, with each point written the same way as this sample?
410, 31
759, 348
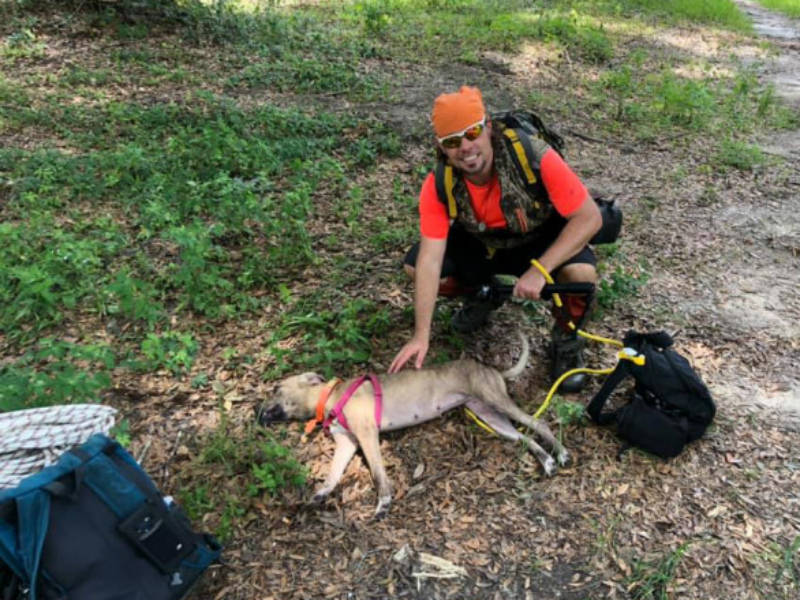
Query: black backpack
671, 406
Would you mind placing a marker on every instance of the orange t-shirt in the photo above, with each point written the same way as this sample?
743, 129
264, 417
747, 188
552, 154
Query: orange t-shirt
564, 188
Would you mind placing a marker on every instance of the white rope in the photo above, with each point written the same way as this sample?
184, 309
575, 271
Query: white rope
34, 438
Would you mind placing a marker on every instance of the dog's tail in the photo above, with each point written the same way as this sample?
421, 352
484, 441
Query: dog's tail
523, 359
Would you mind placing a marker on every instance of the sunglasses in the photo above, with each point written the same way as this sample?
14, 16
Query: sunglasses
472, 133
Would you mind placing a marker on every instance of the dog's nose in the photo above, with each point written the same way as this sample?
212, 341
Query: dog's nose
265, 416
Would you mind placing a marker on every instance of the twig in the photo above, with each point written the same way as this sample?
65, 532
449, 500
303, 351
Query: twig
165, 470
143, 453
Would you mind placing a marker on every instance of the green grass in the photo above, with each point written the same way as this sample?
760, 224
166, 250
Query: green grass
740, 155
789, 7
411, 28
648, 103
227, 170
789, 567
620, 282
164, 210
55, 372
651, 579
566, 413
723, 13
330, 338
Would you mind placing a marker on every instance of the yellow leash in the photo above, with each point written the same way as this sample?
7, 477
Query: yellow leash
479, 421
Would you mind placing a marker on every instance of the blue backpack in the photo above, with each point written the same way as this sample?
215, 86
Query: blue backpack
95, 527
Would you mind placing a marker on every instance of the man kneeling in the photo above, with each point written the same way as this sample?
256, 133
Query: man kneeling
493, 223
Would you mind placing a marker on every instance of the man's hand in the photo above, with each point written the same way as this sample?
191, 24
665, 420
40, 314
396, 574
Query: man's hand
530, 285
415, 347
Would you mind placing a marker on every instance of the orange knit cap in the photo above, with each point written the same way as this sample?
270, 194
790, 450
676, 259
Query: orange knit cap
455, 112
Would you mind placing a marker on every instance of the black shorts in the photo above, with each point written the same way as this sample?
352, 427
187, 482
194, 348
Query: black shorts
468, 260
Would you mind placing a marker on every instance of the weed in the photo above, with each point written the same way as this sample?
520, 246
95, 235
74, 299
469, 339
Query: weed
232, 511
587, 41
739, 155
77, 76
55, 372
199, 381
199, 272
567, 413
277, 470
23, 44
619, 285
386, 237
196, 501
350, 206
250, 464
171, 350
708, 197
608, 251
651, 580
376, 16
717, 12
364, 152
121, 432
330, 339
790, 562
133, 299
604, 536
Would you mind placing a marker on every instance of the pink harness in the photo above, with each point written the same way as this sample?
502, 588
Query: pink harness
336, 411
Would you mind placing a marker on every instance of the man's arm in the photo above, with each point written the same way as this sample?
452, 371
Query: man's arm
427, 273
580, 228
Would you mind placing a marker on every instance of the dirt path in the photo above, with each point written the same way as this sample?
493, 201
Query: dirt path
783, 71
759, 296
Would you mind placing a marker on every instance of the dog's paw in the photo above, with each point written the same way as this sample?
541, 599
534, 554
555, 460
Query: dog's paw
320, 496
383, 507
564, 458
549, 466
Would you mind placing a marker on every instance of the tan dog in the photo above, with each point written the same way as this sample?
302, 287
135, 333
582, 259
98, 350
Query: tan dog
409, 397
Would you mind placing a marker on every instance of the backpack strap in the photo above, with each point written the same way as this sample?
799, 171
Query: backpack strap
629, 357
521, 151
445, 182
69, 485
595, 407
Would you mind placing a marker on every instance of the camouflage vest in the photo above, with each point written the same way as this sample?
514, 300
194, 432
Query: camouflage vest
524, 199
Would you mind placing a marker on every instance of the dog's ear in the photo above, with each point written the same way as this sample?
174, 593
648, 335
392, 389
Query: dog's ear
313, 378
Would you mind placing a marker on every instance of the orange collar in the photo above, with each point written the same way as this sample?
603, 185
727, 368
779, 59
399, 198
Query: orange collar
324, 394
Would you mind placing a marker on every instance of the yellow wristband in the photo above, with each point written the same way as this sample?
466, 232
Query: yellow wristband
542, 270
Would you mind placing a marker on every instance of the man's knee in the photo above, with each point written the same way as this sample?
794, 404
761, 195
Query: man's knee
577, 272
448, 286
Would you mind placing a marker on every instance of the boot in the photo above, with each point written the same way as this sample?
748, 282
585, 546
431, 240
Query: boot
566, 352
566, 347
474, 312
